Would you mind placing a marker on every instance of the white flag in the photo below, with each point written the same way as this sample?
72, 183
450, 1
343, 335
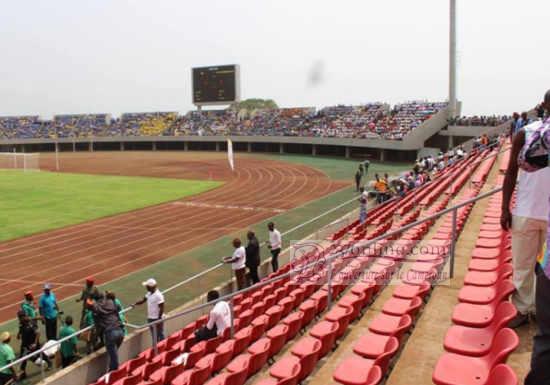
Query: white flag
230, 156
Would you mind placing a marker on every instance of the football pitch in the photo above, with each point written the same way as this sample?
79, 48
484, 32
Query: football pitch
33, 202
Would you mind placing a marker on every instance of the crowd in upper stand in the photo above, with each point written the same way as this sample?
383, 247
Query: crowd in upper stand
373, 120
481, 120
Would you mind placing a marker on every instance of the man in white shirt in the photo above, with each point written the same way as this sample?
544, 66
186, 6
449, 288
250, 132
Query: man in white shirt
528, 223
238, 263
218, 320
155, 306
275, 243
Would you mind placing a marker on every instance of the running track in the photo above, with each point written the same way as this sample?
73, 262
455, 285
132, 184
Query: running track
115, 246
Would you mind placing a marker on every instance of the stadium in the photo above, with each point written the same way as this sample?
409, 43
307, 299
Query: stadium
239, 242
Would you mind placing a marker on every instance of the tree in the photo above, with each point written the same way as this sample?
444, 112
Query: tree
255, 104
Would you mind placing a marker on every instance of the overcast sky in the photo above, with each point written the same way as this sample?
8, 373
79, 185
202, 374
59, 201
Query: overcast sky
67, 56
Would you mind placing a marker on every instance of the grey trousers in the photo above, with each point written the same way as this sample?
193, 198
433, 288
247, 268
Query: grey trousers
540, 358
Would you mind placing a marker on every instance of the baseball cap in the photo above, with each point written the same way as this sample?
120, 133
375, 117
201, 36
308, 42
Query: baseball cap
5, 336
90, 279
47, 286
150, 282
28, 292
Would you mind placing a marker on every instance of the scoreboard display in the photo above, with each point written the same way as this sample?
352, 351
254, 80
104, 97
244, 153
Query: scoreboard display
215, 84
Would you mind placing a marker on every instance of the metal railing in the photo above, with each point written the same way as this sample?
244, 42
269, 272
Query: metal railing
328, 261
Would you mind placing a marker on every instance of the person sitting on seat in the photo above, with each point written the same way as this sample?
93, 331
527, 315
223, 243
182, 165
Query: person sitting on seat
218, 320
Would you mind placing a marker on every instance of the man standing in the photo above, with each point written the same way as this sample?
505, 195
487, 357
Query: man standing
358, 176
218, 320
68, 347
238, 263
49, 310
527, 222
29, 308
30, 342
89, 291
535, 155
155, 306
7, 356
275, 244
253, 256
362, 206
108, 323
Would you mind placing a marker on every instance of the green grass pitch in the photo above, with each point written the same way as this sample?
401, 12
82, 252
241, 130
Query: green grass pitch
32, 202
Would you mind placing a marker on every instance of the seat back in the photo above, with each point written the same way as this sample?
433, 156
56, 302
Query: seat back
171, 373
375, 375
169, 356
236, 378
132, 380
504, 289
384, 359
502, 375
193, 357
506, 340
505, 271
150, 368
136, 363
116, 375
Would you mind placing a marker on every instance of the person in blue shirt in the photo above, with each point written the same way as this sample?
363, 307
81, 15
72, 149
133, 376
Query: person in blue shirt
49, 311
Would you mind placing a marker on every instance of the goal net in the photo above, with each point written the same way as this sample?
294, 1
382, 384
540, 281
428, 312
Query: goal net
19, 161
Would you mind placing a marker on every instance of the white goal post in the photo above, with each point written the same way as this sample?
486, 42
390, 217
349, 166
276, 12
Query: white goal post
20, 161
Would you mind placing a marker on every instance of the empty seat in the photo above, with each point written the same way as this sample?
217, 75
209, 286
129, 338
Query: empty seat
341, 315
277, 335
399, 306
487, 294
502, 374
407, 291
488, 278
485, 253
294, 323
325, 331
259, 353
353, 301
365, 374
474, 315
307, 350
390, 325
287, 368
473, 341
274, 314
456, 369
237, 376
372, 345
309, 309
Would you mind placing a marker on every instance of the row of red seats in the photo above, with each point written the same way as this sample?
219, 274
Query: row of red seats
479, 343
375, 350
483, 171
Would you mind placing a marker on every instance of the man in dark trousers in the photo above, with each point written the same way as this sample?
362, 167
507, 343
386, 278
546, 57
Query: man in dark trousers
49, 311
30, 342
358, 176
274, 245
253, 256
107, 322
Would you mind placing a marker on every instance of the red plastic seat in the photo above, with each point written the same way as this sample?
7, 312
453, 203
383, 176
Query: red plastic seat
353, 301
259, 353
456, 369
275, 314
115, 375
298, 294
193, 357
131, 365
342, 315
351, 364
146, 370
287, 304
502, 374
278, 337
399, 306
236, 377
484, 253
196, 376
277, 381
365, 289
486, 294
488, 243
390, 325
309, 309
288, 367
372, 345
474, 315
488, 278
130, 380
259, 325
364, 373
307, 349
407, 291
246, 316
325, 331
321, 299
294, 323
473, 341
484, 264
167, 373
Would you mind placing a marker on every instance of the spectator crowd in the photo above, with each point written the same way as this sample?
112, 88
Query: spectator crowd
372, 120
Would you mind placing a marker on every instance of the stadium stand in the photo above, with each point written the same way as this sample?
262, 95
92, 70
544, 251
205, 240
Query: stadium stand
373, 120
270, 316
